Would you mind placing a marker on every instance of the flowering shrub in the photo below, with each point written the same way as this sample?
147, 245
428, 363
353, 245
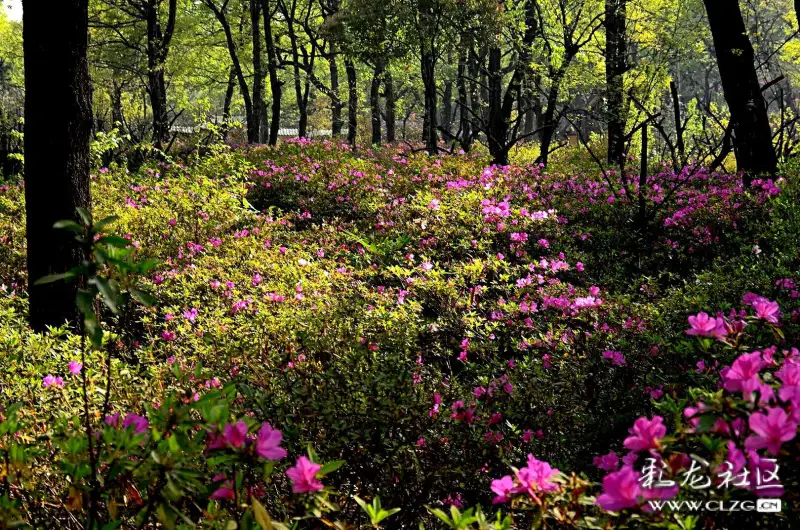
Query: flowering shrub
431, 322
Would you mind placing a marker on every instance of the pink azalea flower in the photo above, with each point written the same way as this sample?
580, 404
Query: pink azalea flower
139, 423
789, 374
702, 325
767, 310
303, 476
620, 490
268, 443
608, 462
742, 376
236, 434
225, 491
51, 380
503, 488
75, 367
646, 434
770, 430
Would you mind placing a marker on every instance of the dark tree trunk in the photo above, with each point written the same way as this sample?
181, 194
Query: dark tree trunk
58, 123
352, 101
275, 84
374, 103
158, 42
752, 140
496, 131
391, 107
226, 107
615, 70
117, 118
549, 120
447, 110
465, 138
431, 136
252, 123
258, 73
336, 102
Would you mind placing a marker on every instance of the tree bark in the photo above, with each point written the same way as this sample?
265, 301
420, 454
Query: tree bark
615, 70
275, 84
755, 154
258, 73
391, 108
336, 102
58, 124
374, 103
465, 138
158, 43
431, 136
352, 101
252, 124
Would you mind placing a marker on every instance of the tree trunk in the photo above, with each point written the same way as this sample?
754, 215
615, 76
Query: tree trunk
158, 42
447, 110
496, 131
549, 121
58, 123
465, 138
391, 107
336, 102
252, 124
374, 103
752, 140
615, 71
275, 84
258, 73
428, 64
352, 101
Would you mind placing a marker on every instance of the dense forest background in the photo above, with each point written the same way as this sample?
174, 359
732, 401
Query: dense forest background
502, 74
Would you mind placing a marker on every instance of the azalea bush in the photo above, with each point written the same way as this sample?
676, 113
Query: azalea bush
306, 334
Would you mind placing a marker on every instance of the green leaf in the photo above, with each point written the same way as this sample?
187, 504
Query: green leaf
441, 515
110, 294
50, 278
85, 301
262, 517
86, 215
93, 331
330, 467
104, 222
143, 297
114, 241
72, 226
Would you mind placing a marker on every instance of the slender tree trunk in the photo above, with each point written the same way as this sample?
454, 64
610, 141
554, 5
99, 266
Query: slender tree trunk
615, 70
549, 122
252, 123
496, 131
275, 84
352, 101
374, 103
336, 101
158, 43
58, 124
226, 107
752, 140
258, 73
465, 138
428, 62
391, 108
447, 110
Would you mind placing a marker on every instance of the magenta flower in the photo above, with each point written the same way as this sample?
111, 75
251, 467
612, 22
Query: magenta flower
51, 380
742, 376
608, 462
303, 476
268, 443
75, 367
767, 310
225, 491
503, 488
770, 430
645, 434
789, 374
620, 490
702, 325
235, 434
538, 474
139, 423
